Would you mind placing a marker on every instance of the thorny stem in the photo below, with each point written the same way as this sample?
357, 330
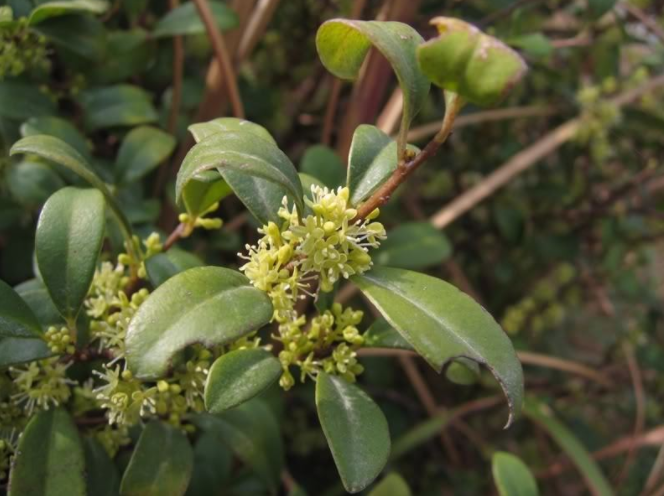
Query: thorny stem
407, 166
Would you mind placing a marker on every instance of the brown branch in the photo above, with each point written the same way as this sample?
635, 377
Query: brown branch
644, 19
219, 47
174, 237
256, 27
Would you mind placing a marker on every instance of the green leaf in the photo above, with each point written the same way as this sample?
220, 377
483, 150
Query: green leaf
355, 428
463, 372
371, 161
544, 417
59, 8
208, 305
413, 245
20, 101
238, 376
14, 351
252, 432
60, 128
213, 462
69, 235
162, 266
80, 39
49, 458
478, 67
443, 323
382, 335
143, 149
203, 191
32, 182
512, 476
34, 293
16, 317
534, 44
202, 130
259, 173
598, 8
128, 53
101, 474
161, 464
343, 45
391, 485
324, 164
185, 20
120, 105
419, 435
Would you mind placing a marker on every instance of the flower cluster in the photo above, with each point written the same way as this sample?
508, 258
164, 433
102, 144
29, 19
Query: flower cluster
41, 385
326, 245
21, 49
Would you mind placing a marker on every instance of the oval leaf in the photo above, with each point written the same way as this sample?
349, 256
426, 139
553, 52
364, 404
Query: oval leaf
102, 475
478, 67
392, 485
202, 130
413, 245
16, 318
49, 458
59, 8
20, 101
443, 323
60, 128
209, 305
512, 476
185, 20
343, 45
143, 149
161, 464
324, 164
69, 235
120, 105
355, 428
238, 376
259, 173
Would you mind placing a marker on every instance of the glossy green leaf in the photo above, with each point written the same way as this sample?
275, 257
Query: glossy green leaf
128, 54
14, 351
595, 479
371, 160
343, 45
478, 67
161, 464
208, 305
213, 462
324, 164
69, 235
463, 372
413, 245
259, 173
50, 9
81, 39
113, 106
238, 376
202, 130
391, 485
512, 476
162, 266
16, 317
534, 44
185, 20
355, 428
101, 474
31, 182
203, 191
49, 459
443, 323
382, 335
35, 294
60, 128
143, 149
20, 101
252, 432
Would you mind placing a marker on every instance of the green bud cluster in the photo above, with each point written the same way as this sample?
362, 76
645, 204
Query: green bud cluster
59, 340
598, 115
21, 49
542, 308
327, 246
41, 385
191, 222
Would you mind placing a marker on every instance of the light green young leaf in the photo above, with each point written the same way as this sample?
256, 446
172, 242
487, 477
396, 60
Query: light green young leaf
391, 485
413, 245
101, 474
355, 428
478, 67
208, 305
238, 376
324, 164
259, 173
114, 106
161, 464
143, 149
252, 432
595, 479
49, 458
371, 161
343, 45
185, 20
202, 130
69, 236
16, 317
21, 101
512, 476
443, 323
203, 191
56, 8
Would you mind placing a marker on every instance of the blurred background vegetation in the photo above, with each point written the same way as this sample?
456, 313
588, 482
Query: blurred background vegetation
549, 210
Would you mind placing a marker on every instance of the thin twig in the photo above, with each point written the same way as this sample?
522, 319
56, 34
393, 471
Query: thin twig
174, 237
256, 27
655, 474
221, 53
644, 19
